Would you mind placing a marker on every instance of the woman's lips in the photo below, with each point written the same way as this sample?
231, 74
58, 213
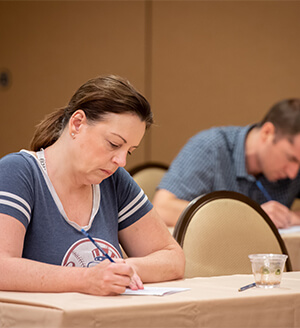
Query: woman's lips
108, 172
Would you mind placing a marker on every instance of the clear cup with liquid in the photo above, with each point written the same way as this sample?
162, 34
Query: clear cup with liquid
267, 269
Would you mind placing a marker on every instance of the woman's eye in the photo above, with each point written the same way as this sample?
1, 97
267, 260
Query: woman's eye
113, 145
129, 152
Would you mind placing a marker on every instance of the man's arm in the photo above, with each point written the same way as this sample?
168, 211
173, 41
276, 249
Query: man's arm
168, 206
281, 215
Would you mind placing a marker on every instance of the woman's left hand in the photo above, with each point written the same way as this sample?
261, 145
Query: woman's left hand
136, 283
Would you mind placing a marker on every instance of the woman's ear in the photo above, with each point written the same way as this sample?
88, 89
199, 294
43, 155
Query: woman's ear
76, 121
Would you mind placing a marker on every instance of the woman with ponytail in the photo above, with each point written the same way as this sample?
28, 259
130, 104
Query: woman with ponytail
73, 180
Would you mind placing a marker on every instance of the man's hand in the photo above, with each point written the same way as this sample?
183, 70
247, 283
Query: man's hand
281, 215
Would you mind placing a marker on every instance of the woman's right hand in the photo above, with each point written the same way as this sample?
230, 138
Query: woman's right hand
107, 278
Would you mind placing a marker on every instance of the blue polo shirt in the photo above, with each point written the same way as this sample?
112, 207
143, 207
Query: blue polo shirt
214, 160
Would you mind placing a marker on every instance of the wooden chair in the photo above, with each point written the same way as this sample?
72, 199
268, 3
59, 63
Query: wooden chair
218, 231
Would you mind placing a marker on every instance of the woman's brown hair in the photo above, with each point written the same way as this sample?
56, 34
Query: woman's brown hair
97, 97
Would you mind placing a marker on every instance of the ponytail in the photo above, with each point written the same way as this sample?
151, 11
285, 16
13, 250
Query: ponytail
48, 130
97, 97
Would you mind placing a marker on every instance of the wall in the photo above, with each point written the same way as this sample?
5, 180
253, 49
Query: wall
200, 63
219, 63
51, 48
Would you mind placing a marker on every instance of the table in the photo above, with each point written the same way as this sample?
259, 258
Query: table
210, 302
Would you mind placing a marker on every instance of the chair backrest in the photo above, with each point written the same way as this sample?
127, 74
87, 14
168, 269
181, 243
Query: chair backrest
148, 176
218, 231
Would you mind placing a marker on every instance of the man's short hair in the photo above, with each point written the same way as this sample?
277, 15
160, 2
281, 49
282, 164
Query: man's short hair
285, 116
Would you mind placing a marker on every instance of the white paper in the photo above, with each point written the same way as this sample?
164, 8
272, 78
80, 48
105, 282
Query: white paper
156, 291
290, 230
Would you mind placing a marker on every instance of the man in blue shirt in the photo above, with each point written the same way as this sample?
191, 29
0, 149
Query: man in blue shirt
261, 161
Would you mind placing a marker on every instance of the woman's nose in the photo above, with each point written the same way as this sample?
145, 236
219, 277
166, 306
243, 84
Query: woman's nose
120, 159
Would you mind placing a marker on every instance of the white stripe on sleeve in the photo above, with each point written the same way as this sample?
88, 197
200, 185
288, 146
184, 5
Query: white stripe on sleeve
134, 209
16, 206
11, 195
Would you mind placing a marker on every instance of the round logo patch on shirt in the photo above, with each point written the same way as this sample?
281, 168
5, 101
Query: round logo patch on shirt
83, 253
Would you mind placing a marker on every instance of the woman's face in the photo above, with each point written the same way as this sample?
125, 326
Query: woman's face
102, 147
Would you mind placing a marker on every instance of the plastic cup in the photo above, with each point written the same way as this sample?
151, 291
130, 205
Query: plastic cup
267, 269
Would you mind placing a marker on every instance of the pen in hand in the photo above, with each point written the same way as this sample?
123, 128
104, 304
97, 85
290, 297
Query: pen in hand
263, 190
136, 285
100, 249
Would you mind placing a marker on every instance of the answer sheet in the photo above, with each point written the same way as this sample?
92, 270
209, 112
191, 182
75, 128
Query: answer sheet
156, 291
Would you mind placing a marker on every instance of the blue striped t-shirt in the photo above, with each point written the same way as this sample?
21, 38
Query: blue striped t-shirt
26, 194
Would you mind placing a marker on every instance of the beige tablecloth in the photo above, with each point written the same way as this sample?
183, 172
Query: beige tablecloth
210, 302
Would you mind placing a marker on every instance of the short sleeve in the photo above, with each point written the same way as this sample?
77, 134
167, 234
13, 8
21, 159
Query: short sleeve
16, 188
192, 172
133, 204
